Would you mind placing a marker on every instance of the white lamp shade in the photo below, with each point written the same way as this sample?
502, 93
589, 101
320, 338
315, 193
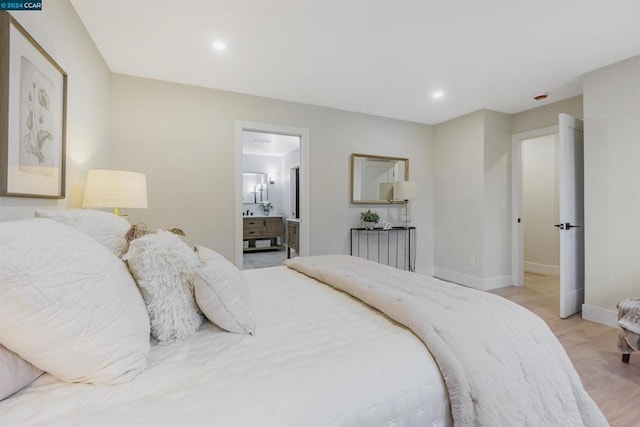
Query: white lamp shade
115, 189
404, 190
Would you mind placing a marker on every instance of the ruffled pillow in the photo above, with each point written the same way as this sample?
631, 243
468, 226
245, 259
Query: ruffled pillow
163, 266
223, 294
105, 227
68, 305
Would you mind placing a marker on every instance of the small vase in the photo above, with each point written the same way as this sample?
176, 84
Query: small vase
266, 213
368, 225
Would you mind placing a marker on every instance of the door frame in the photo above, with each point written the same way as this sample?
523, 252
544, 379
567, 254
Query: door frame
305, 184
517, 231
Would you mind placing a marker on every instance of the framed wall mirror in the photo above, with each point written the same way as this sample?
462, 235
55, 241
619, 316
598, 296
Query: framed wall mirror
372, 177
254, 187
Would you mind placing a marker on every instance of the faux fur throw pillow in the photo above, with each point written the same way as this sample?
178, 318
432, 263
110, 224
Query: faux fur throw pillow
141, 229
163, 266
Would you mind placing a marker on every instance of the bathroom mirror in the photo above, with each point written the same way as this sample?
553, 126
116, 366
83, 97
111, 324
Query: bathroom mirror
372, 177
254, 187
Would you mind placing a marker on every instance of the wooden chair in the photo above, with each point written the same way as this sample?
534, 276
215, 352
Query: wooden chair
629, 322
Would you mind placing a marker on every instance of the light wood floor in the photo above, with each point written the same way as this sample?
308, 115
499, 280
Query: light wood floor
613, 385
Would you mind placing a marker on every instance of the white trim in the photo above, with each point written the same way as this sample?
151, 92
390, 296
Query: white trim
600, 315
237, 253
544, 269
459, 278
305, 183
425, 271
472, 281
497, 282
517, 231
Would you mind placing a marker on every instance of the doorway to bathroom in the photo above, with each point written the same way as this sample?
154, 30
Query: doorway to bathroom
272, 178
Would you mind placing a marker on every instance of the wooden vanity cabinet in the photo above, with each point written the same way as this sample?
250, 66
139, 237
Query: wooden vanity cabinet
293, 236
262, 233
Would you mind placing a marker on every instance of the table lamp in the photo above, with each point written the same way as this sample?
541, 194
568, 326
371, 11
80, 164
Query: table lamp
115, 189
405, 190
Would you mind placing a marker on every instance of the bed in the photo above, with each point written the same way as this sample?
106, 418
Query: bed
323, 353
318, 358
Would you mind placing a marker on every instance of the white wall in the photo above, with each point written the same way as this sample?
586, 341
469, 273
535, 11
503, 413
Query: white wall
540, 209
59, 31
183, 137
459, 197
546, 115
612, 187
472, 215
497, 192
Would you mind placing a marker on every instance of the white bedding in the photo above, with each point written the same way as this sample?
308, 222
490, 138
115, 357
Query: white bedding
318, 358
501, 363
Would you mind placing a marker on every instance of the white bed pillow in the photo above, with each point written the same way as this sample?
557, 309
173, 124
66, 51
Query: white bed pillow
105, 227
223, 294
15, 372
163, 266
68, 305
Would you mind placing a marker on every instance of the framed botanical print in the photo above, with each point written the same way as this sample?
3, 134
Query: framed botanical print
33, 98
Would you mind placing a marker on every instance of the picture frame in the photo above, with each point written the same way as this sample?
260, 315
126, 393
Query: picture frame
33, 111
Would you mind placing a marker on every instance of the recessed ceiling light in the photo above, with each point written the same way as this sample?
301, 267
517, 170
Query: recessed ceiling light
437, 94
219, 45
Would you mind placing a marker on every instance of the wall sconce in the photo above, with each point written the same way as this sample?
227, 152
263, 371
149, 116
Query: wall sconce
115, 189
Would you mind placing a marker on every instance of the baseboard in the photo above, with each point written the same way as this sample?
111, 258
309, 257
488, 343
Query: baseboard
471, 281
459, 278
600, 315
425, 271
497, 282
545, 269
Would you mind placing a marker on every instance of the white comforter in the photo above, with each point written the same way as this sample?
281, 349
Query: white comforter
318, 358
500, 362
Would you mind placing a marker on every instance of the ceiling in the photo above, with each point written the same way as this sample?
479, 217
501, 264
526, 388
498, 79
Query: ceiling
268, 144
385, 58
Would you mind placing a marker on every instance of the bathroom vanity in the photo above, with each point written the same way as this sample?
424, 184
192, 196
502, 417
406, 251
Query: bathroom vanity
293, 236
262, 233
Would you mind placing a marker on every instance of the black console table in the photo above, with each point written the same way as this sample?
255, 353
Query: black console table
395, 247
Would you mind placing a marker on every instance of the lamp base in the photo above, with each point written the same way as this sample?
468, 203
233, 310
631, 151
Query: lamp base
406, 214
116, 211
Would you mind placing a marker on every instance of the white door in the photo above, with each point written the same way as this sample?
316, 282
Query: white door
571, 175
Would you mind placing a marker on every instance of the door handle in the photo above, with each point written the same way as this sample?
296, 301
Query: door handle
566, 226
